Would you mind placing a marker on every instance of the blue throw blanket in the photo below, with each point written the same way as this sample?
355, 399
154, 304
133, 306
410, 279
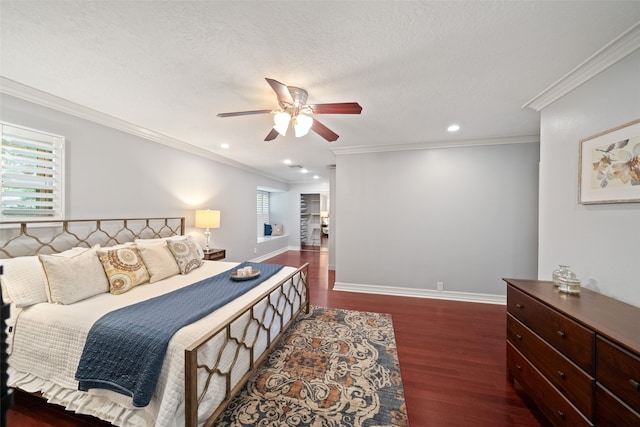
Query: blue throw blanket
125, 348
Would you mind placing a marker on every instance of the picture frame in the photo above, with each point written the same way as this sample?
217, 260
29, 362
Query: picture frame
609, 166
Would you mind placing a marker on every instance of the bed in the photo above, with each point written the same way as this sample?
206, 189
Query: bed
206, 363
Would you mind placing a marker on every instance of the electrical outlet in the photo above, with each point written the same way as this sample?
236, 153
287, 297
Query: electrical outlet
440, 286
255, 250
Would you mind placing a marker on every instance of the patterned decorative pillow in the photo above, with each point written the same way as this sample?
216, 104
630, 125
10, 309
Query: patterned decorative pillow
124, 267
74, 278
186, 254
158, 259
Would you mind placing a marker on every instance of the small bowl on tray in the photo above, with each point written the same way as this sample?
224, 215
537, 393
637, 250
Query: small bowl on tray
235, 276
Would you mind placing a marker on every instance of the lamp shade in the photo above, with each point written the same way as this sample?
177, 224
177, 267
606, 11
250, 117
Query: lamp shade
302, 125
207, 219
281, 121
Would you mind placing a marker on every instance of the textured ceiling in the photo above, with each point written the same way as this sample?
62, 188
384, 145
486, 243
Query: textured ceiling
415, 67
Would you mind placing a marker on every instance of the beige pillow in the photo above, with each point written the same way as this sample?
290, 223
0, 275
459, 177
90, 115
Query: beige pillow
124, 268
185, 252
74, 278
174, 238
23, 281
158, 259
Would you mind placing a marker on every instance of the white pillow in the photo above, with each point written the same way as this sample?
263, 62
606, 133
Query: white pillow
76, 250
158, 258
74, 278
73, 251
23, 281
278, 230
186, 254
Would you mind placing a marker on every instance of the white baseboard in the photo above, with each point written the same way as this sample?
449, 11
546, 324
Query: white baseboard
421, 293
269, 255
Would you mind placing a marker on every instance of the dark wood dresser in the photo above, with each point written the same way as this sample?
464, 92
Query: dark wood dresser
577, 356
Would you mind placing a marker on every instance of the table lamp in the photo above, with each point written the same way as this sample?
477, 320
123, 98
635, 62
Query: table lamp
207, 219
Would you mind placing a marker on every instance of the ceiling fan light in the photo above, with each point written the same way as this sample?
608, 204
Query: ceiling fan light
281, 122
302, 124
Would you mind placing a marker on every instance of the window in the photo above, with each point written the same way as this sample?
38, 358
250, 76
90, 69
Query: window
32, 174
262, 205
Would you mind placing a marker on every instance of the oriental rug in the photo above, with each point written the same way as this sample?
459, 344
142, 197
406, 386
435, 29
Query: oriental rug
331, 368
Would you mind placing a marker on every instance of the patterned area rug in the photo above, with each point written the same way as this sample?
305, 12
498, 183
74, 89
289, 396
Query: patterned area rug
332, 368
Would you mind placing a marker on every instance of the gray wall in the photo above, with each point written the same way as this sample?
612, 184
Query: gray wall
600, 242
465, 216
113, 174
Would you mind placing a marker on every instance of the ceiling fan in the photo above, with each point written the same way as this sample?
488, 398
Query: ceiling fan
294, 109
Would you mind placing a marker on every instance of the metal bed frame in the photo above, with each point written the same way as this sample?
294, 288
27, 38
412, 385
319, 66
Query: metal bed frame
281, 303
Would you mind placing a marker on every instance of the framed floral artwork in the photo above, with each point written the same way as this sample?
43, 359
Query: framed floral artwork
609, 166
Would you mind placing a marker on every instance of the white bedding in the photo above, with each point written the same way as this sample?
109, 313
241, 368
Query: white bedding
47, 341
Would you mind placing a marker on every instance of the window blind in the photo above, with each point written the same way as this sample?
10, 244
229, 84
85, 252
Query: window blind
32, 174
262, 206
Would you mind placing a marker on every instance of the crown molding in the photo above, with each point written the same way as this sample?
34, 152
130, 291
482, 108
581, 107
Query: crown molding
36, 96
621, 47
501, 140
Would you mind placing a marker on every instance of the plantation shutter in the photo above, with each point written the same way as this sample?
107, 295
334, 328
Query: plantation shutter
262, 206
32, 174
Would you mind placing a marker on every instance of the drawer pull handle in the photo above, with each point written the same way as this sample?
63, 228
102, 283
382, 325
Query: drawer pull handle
561, 334
561, 374
519, 367
519, 337
519, 305
561, 414
635, 384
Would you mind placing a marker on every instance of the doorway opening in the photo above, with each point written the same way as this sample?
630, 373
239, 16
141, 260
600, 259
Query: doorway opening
314, 222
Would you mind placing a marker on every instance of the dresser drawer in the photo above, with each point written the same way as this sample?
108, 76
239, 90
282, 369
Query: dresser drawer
619, 371
568, 378
570, 338
556, 407
610, 411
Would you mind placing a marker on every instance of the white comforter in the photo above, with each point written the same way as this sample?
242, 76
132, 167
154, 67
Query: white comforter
47, 342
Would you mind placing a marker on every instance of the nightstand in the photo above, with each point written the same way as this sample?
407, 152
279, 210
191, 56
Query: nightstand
215, 254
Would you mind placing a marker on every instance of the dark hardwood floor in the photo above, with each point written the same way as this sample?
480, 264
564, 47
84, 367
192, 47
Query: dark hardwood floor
452, 358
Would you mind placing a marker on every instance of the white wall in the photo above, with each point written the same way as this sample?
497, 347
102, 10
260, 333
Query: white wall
112, 174
600, 242
465, 216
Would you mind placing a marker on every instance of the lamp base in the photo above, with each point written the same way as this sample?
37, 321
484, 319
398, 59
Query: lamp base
207, 235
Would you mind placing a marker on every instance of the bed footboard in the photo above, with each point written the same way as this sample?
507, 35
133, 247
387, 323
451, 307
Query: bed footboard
219, 364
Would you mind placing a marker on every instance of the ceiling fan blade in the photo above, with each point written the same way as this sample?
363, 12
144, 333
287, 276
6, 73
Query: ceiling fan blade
281, 91
244, 113
324, 131
336, 108
272, 135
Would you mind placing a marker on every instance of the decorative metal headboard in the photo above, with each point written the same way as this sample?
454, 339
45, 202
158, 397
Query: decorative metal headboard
23, 238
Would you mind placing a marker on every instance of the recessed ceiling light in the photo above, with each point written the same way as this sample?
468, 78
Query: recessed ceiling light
287, 161
453, 128
303, 171
225, 146
316, 177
